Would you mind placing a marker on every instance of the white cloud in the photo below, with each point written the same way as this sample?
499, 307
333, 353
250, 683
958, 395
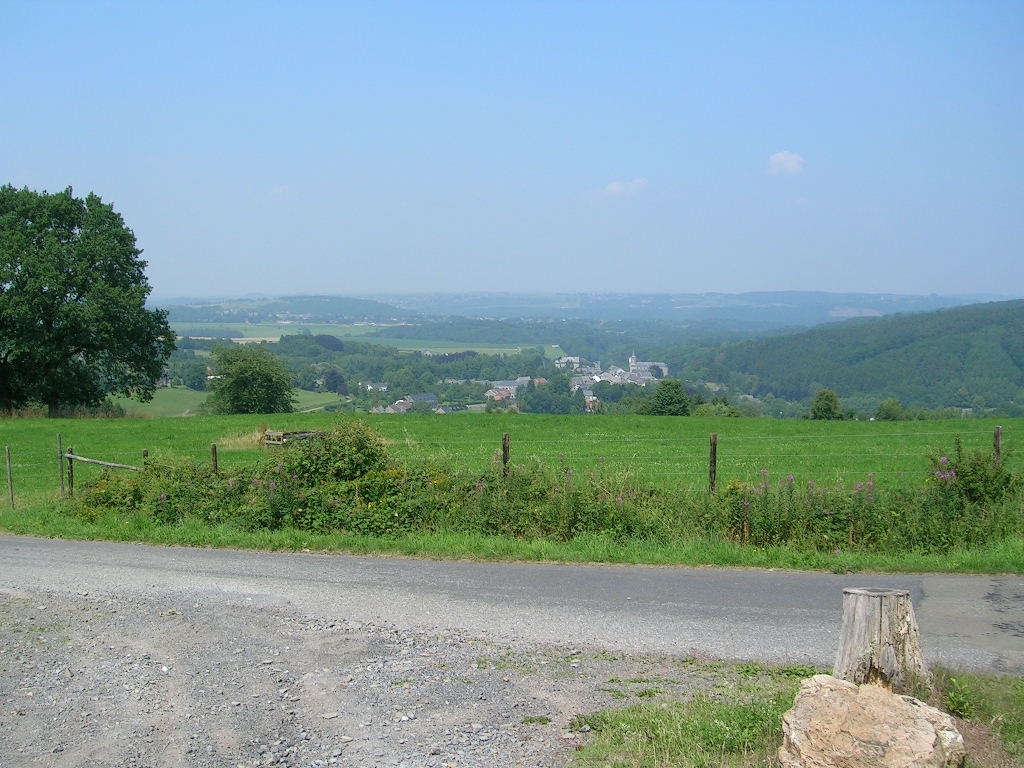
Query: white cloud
785, 162
621, 188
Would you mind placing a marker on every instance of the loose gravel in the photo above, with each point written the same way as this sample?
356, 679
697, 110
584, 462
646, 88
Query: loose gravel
214, 681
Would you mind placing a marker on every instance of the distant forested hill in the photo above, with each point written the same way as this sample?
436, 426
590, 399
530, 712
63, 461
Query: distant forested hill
315, 309
963, 357
750, 313
746, 313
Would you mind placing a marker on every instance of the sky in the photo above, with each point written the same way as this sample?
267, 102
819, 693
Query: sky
361, 148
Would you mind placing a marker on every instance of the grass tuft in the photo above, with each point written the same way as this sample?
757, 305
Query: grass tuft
698, 733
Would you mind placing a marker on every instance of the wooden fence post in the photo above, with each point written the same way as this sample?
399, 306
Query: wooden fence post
71, 472
10, 478
213, 457
504, 454
997, 444
879, 641
60, 465
713, 463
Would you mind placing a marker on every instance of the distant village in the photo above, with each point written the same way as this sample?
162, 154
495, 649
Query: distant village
503, 393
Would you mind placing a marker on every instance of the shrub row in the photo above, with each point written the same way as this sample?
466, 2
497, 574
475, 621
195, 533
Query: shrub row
347, 482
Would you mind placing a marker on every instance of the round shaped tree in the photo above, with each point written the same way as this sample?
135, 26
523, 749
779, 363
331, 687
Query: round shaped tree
248, 379
74, 326
826, 405
669, 399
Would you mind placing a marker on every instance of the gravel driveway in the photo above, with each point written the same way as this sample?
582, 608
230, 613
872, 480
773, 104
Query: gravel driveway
93, 681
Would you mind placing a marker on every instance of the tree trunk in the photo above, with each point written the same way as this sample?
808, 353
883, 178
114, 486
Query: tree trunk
879, 642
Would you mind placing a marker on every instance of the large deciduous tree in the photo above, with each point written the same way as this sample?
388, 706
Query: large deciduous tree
248, 379
74, 326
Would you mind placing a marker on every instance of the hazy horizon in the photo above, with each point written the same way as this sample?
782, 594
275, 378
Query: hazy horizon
159, 297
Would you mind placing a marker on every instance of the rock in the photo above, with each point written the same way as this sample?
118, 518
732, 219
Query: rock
837, 724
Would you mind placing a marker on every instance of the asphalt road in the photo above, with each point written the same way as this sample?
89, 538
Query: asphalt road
972, 622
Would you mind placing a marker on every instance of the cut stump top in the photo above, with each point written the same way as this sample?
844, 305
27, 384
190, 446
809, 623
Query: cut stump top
875, 591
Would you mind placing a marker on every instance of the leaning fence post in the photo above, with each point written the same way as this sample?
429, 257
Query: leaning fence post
213, 457
713, 463
504, 454
71, 472
10, 478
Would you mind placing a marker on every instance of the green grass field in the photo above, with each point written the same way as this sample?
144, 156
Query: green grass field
364, 333
181, 401
660, 451
173, 401
271, 330
668, 451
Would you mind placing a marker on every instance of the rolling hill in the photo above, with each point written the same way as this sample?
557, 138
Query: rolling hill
965, 357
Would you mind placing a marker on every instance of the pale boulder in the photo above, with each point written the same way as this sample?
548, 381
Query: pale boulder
838, 724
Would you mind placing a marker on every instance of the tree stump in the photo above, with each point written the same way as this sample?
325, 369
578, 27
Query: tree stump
879, 642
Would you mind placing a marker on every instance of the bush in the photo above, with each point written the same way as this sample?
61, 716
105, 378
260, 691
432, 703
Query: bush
537, 501
169, 493
946, 513
386, 502
352, 449
975, 478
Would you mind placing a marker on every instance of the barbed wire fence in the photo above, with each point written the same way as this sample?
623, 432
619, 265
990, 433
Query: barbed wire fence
689, 461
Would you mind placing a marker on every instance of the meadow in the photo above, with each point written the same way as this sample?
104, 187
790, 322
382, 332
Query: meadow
834, 495
357, 332
182, 401
666, 452
270, 330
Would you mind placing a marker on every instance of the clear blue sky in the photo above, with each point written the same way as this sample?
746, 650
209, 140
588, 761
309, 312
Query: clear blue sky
370, 147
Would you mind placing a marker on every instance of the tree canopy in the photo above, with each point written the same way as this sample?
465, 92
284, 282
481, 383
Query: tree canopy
556, 396
248, 379
669, 399
825, 406
74, 327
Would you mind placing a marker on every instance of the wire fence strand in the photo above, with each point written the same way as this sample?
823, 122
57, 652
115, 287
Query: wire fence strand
848, 457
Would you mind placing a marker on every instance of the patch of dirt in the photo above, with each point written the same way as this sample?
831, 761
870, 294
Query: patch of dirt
984, 749
132, 683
